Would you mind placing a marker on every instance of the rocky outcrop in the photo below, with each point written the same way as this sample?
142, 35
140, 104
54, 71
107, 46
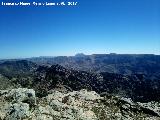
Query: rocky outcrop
21, 103
15, 104
19, 95
16, 111
72, 106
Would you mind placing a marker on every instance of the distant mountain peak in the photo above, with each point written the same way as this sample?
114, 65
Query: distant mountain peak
80, 55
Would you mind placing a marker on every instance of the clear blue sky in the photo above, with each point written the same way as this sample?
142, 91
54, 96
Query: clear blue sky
94, 26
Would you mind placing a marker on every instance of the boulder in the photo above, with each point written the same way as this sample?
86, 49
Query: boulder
19, 95
17, 111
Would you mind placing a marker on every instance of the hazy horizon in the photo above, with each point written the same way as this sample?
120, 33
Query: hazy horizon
50, 56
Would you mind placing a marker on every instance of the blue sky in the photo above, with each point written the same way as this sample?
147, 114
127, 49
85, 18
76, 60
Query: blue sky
93, 26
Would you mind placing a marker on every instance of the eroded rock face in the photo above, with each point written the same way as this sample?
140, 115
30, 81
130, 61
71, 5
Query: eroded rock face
75, 105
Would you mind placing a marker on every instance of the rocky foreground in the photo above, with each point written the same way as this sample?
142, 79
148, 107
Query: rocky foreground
22, 104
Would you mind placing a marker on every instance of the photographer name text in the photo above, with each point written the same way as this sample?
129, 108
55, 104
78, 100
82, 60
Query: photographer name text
39, 3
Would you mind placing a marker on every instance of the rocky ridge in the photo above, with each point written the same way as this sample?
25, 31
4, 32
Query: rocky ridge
135, 86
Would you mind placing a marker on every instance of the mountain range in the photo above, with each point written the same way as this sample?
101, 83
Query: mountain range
133, 76
126, 86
